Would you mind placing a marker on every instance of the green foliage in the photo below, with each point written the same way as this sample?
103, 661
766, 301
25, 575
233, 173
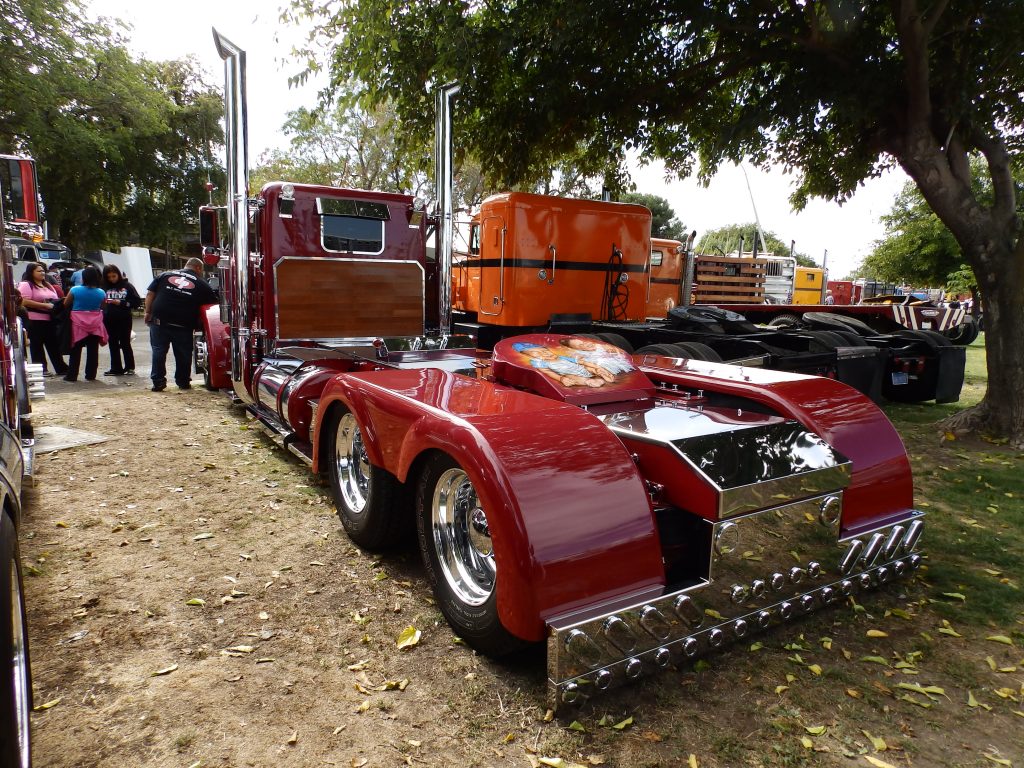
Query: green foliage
348, 146
834, 91
664, 222
726, 240
123, 147
917, 248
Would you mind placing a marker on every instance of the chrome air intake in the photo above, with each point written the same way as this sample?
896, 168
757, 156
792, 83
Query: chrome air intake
787, 561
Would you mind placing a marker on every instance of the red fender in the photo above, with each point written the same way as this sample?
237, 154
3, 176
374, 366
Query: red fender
570, 519
881, 483
218, 346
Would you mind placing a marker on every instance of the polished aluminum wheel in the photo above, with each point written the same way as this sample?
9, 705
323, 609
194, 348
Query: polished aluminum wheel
353, 467
462, 538
19, 664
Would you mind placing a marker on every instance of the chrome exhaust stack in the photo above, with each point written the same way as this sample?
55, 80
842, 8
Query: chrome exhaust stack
236, 142
444, 189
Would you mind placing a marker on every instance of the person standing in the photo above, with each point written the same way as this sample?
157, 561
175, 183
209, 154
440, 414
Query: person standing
122, 298
829, 298
38, 297
173, 301
87, 329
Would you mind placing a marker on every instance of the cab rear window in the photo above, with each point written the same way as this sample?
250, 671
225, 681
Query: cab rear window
352, 226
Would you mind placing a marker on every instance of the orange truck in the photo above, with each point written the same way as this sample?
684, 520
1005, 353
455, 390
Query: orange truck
530, 255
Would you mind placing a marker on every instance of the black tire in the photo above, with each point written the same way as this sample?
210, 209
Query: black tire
15, 680
851, 338
666, 350
616, 341
825, 341
965, 333
784, 321
457, 555
835, 322
372, 504
932, 338
696, 350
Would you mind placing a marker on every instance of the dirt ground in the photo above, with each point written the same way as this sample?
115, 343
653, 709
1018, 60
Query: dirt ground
193, 601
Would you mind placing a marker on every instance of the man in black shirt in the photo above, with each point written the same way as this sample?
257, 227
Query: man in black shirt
172, 313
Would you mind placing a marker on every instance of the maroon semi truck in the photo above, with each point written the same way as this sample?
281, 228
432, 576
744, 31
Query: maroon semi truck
19, 384
560, 490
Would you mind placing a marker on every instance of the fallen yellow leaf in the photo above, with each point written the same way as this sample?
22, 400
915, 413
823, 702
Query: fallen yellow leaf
409, 637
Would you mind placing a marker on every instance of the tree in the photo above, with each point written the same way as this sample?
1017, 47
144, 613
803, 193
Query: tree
123, 148
727, 239
917, 247
835, 91
664, 222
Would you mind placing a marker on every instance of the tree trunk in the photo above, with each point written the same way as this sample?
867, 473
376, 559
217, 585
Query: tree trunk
1001, 412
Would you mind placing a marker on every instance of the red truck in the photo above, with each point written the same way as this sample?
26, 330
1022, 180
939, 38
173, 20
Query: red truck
16, 454
560, 490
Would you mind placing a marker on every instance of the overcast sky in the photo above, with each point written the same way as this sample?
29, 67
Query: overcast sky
182, 28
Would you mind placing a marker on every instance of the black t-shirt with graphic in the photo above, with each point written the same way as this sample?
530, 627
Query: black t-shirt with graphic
179, 295
121, 300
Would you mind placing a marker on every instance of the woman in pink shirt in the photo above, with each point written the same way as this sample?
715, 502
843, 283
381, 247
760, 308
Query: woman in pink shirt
37, 296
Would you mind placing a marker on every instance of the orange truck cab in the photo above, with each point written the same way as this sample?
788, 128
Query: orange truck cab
528, 256
664, 289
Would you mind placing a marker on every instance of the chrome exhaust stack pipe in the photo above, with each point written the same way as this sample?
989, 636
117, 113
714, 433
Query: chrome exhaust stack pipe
444, 185
236, 141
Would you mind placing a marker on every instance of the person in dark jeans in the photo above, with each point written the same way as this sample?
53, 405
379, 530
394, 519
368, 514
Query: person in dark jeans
173, 301
87, 329
38, 297
122, 298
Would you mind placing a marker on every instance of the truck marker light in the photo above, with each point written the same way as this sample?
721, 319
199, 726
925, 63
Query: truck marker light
892, 544
852, 555
619, 634
652, 620
874, 546
634, 668
831, 511
583, 649
914, 532
691, 647
727, 538
687, 611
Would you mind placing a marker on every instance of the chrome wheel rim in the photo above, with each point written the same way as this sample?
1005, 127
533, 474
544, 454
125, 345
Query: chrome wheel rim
19, 664
462, 539
353, 468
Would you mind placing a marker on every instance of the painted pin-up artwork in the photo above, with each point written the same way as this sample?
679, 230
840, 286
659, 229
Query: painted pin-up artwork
577, 362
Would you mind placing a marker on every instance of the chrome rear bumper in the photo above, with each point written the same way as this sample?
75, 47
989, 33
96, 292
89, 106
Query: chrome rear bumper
765, 568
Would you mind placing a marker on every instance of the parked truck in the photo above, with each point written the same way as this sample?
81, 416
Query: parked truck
16, 463
559, 489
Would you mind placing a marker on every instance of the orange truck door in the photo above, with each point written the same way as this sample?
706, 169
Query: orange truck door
493, 269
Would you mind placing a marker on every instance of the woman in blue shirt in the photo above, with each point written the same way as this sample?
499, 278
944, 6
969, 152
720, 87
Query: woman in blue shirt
87, 328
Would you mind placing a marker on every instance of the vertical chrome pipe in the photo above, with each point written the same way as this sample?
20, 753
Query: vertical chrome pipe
444, 187
236, 141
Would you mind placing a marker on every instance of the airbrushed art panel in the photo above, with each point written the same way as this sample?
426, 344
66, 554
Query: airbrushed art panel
572, 369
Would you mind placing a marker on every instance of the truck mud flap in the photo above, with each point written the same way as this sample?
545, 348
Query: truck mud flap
950, 377
863, 368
